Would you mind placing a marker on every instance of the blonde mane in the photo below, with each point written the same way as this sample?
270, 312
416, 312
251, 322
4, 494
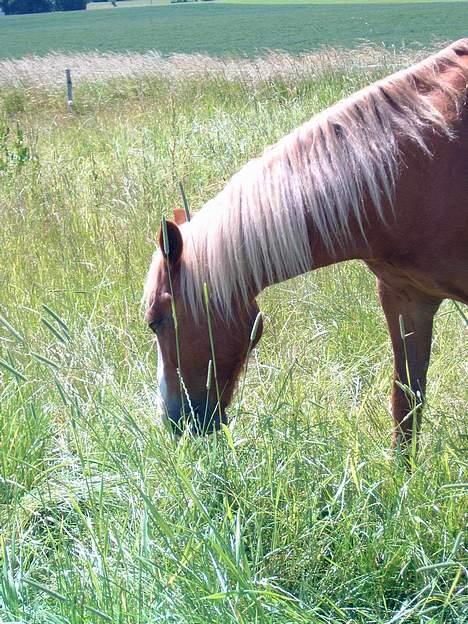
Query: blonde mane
255, 231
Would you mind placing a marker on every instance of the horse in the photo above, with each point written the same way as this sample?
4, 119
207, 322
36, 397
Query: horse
382, 177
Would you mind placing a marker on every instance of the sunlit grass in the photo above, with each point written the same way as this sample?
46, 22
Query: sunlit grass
299, 512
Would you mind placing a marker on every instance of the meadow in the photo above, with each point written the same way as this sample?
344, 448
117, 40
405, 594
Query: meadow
233, 29
299, 512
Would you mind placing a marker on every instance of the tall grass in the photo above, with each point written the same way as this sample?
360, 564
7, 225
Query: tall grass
298, 513
48, 70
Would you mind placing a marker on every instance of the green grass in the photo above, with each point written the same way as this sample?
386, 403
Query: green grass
299, 514
227, 29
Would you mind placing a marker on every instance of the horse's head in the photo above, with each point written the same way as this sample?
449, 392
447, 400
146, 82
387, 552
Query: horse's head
194, 391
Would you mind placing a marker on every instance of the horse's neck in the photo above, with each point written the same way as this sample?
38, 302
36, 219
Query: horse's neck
358, 245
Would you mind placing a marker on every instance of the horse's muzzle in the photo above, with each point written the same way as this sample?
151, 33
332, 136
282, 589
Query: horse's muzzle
196, 420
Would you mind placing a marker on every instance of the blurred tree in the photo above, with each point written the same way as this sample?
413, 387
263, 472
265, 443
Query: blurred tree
70, 5
15, 7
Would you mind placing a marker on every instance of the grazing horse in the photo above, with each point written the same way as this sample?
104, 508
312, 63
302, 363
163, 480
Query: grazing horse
381, 176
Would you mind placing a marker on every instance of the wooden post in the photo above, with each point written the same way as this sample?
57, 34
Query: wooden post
69, 91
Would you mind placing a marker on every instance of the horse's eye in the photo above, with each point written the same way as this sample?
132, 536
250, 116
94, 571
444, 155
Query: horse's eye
155, 325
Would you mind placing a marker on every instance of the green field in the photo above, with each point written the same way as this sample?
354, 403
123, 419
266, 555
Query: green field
299, 514
145, 3
230, 29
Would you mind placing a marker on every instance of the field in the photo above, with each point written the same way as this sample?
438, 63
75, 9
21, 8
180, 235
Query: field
231, 29
299, 513
141, 3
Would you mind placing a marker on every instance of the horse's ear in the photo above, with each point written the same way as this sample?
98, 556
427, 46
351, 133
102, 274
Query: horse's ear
172, 248
179, 216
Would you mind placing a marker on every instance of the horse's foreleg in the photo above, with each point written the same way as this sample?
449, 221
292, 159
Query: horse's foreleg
409, 315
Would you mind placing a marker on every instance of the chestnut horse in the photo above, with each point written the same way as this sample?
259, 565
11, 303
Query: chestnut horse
382, 176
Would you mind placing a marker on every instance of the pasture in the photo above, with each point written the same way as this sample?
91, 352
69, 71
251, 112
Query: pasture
298, 512
230, 29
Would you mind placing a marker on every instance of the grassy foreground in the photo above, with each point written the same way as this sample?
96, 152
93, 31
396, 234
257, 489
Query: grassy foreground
298, 513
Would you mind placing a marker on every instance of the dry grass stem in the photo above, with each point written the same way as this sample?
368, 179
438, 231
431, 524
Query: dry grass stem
49, 70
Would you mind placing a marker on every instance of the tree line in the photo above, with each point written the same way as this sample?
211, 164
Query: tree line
15, 7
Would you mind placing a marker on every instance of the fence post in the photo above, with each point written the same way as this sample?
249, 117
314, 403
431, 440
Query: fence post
69, 90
